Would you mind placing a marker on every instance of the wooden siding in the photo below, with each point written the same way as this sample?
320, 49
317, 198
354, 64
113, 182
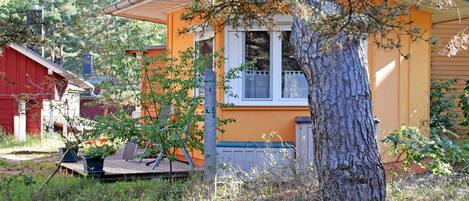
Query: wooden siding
20, 75
7, 114
444, 67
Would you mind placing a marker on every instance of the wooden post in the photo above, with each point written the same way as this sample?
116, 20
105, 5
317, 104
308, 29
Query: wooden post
210, 129
20, 121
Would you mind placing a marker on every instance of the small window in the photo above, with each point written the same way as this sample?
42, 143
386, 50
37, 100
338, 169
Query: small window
204, 49
294, 83
257, 84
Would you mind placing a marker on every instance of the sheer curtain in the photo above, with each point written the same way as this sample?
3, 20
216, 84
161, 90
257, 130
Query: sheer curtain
294, 85
257, 84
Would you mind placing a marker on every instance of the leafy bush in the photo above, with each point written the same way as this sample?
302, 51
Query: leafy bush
438, 153
464, 104
442, 107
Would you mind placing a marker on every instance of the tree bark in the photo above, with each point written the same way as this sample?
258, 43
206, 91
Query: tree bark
345, 146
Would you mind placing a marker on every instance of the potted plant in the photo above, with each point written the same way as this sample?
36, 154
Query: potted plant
72, 154
94, 153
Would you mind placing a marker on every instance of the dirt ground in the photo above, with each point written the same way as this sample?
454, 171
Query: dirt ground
28, 163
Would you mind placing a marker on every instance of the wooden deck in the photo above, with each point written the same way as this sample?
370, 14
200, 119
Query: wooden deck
129, 170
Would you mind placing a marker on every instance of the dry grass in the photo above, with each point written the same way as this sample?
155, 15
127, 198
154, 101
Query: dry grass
430, 187
274, 183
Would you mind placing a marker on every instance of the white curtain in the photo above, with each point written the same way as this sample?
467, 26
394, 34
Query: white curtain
257, 84
294, 85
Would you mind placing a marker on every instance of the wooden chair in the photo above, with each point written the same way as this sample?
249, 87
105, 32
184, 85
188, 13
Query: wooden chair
163, 118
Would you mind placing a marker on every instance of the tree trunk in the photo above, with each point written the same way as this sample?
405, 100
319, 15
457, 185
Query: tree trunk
346, 153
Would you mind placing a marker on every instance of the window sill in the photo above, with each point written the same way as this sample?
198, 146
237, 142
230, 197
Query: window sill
283, 102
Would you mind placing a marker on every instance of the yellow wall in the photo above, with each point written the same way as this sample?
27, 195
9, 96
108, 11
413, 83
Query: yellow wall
400, 88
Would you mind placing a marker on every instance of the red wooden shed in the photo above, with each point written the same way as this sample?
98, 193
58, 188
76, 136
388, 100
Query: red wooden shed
26, 80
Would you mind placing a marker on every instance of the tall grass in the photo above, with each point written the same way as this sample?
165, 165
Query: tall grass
262, 185
33, 143
10, 141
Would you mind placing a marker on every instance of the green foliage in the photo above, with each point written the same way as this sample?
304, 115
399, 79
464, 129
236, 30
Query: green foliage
438, 153
3, 163
24, 188
117, 125
100, 148
167, 89
464, 104
443, 118
75, 27
14, 27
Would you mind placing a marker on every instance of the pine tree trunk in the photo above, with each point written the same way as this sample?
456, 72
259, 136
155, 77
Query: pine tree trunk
346, 153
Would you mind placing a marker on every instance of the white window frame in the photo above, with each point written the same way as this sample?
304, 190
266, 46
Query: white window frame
201, 35
235, 57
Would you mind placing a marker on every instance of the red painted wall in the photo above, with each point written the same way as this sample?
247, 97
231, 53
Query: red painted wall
20, 75
90, 110
7, 114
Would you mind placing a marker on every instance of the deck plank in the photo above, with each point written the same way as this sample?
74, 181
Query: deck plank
124, 170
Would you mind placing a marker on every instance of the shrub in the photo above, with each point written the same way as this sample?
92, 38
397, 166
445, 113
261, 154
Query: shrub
438, 153
464, 104
443, 117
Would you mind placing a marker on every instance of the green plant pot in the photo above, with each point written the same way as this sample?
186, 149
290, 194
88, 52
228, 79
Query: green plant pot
71, 156
93, 165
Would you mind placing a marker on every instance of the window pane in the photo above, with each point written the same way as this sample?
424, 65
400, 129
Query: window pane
294, 83
204, 49
257, 77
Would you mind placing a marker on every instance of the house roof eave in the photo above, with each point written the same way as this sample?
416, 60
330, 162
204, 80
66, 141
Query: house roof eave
52, 66
146, 10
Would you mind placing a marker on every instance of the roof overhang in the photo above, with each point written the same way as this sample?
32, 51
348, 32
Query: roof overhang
156, 10
459, 12
52, 66
146, 10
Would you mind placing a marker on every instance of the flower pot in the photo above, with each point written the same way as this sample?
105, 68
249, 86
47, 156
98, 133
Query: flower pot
93, 165
71, 156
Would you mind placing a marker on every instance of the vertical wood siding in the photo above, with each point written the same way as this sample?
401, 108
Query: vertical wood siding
20, 75
448, 68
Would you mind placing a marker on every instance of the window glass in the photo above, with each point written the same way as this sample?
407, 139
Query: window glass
204, 50
257, 77
294, 83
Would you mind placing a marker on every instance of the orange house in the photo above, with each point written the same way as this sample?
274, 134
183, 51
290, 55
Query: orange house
274, 95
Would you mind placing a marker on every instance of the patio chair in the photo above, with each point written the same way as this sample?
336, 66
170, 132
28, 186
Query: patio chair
162, 118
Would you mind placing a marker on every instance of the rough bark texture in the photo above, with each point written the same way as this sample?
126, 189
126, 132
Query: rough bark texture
346, 153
